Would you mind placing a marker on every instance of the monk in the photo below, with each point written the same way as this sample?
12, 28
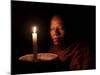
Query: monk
76, 55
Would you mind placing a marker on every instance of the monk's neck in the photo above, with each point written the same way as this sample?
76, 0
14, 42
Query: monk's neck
58, 47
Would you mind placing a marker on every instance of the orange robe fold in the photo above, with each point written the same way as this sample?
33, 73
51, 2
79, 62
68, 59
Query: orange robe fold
76, 56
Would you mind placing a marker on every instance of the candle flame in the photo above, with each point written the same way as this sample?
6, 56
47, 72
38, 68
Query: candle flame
34, 29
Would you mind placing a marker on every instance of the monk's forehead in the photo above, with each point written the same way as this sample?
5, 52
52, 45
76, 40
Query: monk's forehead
57, 20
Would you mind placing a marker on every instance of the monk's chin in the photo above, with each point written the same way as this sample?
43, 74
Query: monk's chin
57, 43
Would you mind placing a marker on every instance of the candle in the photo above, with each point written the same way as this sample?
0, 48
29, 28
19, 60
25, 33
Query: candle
34, 39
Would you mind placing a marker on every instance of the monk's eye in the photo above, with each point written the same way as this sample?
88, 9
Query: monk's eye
61, 28
52, 29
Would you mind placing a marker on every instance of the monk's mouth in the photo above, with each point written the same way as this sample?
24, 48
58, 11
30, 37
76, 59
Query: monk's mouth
56, 39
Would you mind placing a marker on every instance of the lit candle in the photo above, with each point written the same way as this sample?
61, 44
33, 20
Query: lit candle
34, 39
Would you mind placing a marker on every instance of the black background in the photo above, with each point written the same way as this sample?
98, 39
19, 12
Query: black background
80, 25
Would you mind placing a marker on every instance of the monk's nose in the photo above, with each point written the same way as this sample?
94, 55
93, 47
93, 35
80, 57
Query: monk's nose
57, 32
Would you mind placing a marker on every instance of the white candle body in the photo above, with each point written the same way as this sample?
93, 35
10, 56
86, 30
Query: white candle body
34, 38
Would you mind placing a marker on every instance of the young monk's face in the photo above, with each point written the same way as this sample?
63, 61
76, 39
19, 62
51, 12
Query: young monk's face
57, 30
